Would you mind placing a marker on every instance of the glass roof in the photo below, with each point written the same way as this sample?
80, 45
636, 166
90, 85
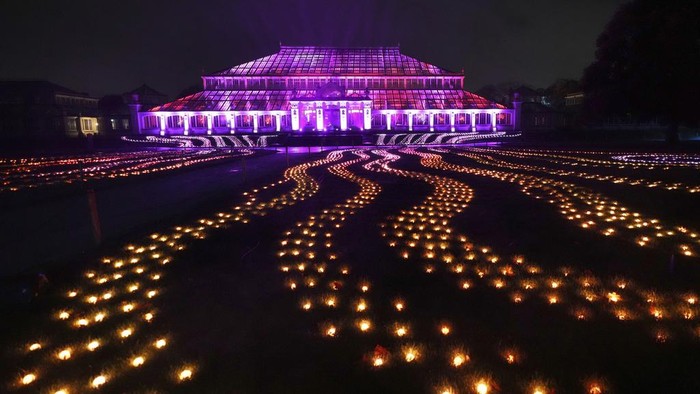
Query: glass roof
276, 100
310, 60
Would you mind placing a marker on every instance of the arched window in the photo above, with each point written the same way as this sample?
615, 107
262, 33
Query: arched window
151, 122
378, 120
266, 122
483, 118
401, 120
220, 121
244, 121
198, 121
175, 122
462, 119
504, 119
420, 119
442, 119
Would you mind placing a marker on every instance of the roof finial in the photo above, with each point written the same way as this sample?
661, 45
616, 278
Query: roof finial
280, 43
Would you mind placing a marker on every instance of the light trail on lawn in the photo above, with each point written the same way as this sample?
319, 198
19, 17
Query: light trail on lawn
488, 157
21, 174
109, 317
590, 210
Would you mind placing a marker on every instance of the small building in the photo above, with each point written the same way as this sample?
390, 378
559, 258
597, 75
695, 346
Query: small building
115, 114
574, 100
540, 117
530, 95
327, 89
42, 108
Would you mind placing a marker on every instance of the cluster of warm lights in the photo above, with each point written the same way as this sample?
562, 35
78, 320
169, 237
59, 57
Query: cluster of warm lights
491, 156
116, 302
126, 287
664, 159
18, 174
308, 257
591, 210
620, 160
585, 287
564, 287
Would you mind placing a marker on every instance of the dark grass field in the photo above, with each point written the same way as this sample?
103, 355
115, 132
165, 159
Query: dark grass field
226, 313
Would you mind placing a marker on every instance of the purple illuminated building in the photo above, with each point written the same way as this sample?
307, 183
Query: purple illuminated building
326, 89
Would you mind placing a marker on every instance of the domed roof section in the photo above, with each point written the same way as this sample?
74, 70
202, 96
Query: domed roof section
314, 60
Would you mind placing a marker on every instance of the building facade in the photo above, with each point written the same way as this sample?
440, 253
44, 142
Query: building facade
326, 89
45, 109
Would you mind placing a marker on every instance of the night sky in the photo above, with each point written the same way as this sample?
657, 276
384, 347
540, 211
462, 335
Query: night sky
105, 47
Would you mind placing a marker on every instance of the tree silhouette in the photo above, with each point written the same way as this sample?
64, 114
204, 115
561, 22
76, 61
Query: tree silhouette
647, 63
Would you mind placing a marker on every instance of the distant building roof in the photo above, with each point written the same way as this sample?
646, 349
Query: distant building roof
533, 106
38, 85
312, 60
145, 90
525, 91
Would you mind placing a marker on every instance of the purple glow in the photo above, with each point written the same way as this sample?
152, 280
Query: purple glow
322, 88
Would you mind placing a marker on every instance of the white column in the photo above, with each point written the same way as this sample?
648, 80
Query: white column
186, 124
493, 121
232, 125
472, 118
295, 116
343, 115
319, 117
255, 122
278, 124
208, 124
410, 121
388, 122
368, 115
162, 125
452, 121
431, 121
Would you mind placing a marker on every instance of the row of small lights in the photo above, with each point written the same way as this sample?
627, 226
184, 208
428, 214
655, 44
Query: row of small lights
67, 171
619, 160
409, 221
300, 254
307, 251
590, 287
690, 160
593, 211
624, 180
429, 221
141, 262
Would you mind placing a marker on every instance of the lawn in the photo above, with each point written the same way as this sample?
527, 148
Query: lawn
445, 270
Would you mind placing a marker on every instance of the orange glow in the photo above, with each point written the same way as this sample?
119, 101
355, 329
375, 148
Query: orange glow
64, 354
410, 354
364, 325
98, 381
459, 359
137, 361
482, 387
614, 297
92, 345
378, 361
185, 374
28, 378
